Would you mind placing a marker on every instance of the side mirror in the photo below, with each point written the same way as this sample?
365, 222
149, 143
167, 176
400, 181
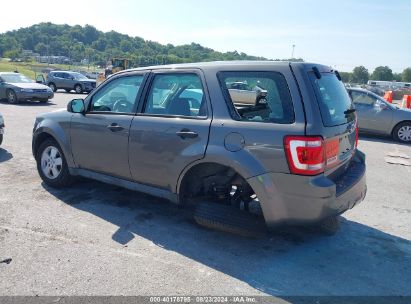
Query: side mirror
380, 105
76, 106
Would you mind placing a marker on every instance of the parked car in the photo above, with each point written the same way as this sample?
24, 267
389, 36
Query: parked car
1, 129
175, 132
69, 81
16, 87
377, 116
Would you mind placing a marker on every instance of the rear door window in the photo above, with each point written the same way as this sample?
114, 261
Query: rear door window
333, 100
257, 96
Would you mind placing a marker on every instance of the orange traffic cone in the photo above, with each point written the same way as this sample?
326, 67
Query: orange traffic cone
388, 96
406, 102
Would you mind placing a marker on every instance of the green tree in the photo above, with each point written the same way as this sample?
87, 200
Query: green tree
346, 77
360, 75
382, 73
406, 75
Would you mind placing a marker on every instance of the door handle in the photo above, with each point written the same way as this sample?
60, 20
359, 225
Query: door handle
186, 133
115, 127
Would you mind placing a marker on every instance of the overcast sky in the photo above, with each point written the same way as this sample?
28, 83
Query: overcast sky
341, 33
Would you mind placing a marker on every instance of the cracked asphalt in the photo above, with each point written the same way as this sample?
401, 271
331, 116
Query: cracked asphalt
95, 239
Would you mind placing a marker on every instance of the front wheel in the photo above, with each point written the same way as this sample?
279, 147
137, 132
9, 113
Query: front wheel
52, 165
53, 87
402, 132
78, 89
11, 96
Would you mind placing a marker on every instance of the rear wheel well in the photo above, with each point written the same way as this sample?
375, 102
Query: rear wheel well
211, 179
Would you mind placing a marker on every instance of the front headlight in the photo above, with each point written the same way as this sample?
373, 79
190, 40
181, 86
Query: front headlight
27, 90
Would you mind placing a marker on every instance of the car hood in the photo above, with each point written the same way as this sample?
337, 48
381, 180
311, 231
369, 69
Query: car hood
32, 85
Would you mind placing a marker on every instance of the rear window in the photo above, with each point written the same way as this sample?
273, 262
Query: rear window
257, 96
333, 100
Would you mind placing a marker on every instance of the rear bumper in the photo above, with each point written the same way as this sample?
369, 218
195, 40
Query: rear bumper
288, 199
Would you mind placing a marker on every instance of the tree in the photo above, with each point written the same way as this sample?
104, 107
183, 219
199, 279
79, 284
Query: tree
406, 75
346, 77
360, 75
382, 73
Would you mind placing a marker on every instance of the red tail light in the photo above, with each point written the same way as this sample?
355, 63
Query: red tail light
356, 136
305, 154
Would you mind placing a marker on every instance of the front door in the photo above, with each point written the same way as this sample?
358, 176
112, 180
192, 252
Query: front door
172, 129
372, 116
99, 139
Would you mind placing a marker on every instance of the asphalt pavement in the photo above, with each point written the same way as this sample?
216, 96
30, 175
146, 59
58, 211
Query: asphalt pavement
95, 239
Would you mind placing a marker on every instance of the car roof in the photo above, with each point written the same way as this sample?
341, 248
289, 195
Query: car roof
224, 65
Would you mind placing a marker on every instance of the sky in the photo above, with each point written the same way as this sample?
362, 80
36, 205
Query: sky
339, 33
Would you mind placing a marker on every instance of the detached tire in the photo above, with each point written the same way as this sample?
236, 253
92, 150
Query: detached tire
402, 132
52, 165
229, 219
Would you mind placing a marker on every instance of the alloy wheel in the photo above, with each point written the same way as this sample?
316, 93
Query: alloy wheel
404, 133
51, 162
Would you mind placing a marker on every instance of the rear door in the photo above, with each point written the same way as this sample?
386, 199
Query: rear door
337, 117
171, 131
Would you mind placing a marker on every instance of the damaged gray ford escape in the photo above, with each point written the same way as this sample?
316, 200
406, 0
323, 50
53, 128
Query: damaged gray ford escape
271, 139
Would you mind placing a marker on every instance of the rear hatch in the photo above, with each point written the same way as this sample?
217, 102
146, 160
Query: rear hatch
338, 119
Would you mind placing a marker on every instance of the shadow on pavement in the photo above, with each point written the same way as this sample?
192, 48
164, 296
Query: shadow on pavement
5, 155
358, 260
31, 103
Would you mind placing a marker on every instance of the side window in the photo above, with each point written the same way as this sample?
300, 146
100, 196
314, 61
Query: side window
176, 95
360, 98
258, 96
118, 95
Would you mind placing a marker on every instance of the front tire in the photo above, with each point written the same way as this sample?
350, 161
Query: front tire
12, 97
44, 100
402, 132
78, 89
53, 87
52, 165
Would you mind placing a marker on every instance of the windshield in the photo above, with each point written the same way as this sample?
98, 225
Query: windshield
16, 78
79, 76
333, 100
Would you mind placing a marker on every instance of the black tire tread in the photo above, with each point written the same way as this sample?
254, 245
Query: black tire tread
229, 219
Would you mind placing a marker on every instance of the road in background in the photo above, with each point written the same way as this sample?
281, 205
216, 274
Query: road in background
95, 239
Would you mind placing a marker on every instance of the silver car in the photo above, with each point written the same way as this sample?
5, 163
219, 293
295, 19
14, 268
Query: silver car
16, 87
377, 116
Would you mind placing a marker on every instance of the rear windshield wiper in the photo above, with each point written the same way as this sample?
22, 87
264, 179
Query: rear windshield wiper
349, 111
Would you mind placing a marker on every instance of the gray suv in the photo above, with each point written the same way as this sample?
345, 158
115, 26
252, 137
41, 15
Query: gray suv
69, 81
179, 132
